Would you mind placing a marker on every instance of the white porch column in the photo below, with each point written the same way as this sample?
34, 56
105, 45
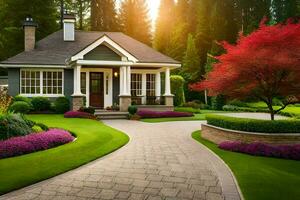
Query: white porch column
157, 85
144, 88
87, 83
167, 82
122, 80
77, 86
128, 79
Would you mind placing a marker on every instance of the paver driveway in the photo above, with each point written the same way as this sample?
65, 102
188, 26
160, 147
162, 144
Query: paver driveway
161, 161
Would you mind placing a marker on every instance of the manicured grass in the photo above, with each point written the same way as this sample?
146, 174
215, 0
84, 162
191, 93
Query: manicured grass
260, 178
294, 109
187, 109
200, 116
94, 139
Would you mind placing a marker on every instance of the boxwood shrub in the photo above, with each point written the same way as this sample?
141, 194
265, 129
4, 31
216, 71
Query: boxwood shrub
20, 107
254, 125
41, 104
62, 105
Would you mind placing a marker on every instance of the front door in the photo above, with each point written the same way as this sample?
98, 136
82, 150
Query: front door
96, 89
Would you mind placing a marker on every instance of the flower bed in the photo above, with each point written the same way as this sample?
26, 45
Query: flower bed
155, 114
261, 149
34, 142
78, 114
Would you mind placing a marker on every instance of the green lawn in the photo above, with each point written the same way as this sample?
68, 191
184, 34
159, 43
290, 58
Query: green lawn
260, 178
290, 109
94, 139
200, 116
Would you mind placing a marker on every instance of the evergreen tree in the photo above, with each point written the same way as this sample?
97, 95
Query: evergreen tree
103, 15
12, 13
179, 32
191, 64
285, 9
135, 21
163, 26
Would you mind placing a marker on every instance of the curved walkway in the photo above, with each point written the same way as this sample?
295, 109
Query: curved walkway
161, 161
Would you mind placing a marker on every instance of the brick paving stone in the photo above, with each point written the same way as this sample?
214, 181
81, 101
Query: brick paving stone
161, 161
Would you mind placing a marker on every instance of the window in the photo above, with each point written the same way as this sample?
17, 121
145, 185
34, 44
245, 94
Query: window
150, 91
41, 82
83, 82
136, 84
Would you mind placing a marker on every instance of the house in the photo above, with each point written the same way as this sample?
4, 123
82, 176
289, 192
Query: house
97, 69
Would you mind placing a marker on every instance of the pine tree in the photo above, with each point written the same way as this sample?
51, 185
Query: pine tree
164, 24
135, 21
285, 9
179, 32
103, 15
191, 64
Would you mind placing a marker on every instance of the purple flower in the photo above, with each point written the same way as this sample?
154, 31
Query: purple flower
34, 142
262, 149
156, 114
78, 114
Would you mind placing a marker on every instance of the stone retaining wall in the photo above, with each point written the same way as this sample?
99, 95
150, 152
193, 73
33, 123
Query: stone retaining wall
218, 135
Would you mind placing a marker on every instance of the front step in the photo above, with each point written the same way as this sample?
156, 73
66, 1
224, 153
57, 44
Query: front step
101, 115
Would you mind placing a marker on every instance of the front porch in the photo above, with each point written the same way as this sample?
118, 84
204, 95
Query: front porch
105, 85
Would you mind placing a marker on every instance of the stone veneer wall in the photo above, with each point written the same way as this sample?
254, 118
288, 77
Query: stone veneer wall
218, 135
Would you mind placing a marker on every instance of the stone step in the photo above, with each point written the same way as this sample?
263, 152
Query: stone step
111, 115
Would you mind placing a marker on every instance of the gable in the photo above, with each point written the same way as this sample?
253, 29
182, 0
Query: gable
102, 52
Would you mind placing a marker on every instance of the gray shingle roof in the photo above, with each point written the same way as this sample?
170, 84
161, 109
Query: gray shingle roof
52, 50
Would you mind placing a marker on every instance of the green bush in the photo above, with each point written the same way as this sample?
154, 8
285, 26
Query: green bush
254, 125
218, 102
37, 129
20, 107
132, 110
43, 126
177, 84
41, 104
238, 103
61, 105
12, 125
244, 109
21, 98
87, 110
192, 104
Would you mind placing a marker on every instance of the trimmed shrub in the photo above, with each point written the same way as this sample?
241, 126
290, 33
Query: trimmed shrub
78, 114
21, 98
254, 125
154, 114
192, 104
177, 84
41, 104
132, 110
87, 110
34, 142
261, 149
218, 102
43, 126
244, 109
61, 105
37, 129
238, 103
12, 125
20, 107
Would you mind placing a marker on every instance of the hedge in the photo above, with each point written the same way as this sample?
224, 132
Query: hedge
254, 125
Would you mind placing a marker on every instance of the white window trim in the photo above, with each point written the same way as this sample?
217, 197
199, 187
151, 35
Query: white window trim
41, 83
140, 89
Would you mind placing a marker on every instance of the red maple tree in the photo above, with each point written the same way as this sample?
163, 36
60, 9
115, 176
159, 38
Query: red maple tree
264, 65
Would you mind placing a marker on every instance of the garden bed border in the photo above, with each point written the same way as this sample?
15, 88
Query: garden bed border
217, 135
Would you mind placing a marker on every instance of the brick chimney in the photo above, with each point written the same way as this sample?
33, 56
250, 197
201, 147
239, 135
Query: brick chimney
69, 27
29, 27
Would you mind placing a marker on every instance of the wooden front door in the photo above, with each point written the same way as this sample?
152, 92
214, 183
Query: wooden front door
96, 89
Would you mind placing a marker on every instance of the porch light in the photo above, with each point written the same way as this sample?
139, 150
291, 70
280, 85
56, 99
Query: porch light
116, 74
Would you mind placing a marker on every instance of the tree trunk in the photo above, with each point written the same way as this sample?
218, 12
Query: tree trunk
272, 112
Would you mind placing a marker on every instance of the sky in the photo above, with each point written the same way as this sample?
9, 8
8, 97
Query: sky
153, 8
